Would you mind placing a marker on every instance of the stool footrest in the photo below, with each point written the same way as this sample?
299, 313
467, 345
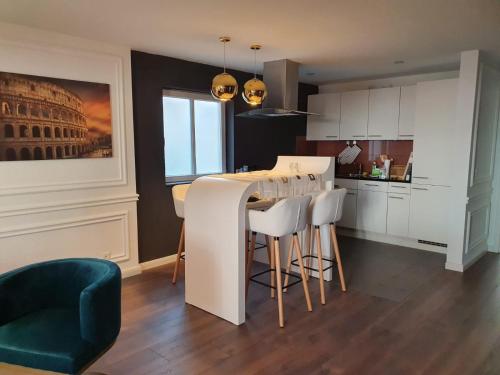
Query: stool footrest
333, 262
283, 287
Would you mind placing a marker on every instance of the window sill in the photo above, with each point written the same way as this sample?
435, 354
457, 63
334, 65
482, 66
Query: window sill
171, 181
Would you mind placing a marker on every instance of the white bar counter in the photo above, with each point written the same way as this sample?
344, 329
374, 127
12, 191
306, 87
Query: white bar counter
215, 215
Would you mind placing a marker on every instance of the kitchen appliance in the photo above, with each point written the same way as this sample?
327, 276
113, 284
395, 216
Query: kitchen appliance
282, 81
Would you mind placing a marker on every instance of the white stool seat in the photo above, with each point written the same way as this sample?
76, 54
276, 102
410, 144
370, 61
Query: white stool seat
326, 207
281, 219
179, 195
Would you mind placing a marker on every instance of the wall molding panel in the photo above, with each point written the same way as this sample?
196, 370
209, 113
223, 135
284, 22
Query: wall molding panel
51, 209
67, 205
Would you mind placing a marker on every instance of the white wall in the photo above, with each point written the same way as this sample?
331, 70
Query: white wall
70, 208
474, 154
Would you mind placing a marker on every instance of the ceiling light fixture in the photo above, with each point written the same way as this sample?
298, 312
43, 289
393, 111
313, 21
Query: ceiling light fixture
254, 90
224, 85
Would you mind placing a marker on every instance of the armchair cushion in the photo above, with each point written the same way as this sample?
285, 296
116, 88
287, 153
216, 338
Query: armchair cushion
46, 339
59, 315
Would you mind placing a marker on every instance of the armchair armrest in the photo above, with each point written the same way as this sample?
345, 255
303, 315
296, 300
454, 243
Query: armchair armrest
100, 309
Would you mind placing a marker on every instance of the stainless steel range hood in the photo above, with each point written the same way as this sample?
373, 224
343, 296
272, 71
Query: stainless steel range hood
282, 80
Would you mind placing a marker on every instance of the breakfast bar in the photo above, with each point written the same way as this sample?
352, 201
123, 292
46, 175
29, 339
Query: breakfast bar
215, 215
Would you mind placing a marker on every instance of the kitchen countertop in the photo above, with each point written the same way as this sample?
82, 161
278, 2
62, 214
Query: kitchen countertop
368, 178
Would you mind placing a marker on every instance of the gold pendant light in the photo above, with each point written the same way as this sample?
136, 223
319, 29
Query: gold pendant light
254, 90
224, 85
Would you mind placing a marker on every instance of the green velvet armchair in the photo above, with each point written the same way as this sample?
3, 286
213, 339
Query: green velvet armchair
59, 315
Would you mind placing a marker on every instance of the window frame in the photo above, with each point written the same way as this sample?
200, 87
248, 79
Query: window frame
192, 96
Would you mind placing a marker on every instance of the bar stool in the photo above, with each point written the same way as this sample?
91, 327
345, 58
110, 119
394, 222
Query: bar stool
280, 220
179, 194
325, 208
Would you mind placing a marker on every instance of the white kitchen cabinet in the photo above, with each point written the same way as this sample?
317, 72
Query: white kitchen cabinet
398, 214
399, 188
347, 183
326, 125
434, 127
383, 113
407, 104
348, 219
429, 213
373, 185
354, 115
371, 211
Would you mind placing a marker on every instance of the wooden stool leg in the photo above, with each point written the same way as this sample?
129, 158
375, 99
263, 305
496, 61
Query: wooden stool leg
320, 265
302, 272
310, 246
333, 234
268, 248
278, 282
272, 265
288, 263
180, 249
249, 262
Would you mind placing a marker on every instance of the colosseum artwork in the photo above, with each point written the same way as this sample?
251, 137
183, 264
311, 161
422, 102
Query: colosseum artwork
45, 118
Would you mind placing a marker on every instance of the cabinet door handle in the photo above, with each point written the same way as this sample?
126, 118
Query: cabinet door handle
416, 188
331, 136
422, 178
375, 135
399, 187
406, 135
351, 193
372, 185
390, 196
357, 136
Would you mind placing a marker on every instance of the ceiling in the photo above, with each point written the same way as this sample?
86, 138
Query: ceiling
332, 39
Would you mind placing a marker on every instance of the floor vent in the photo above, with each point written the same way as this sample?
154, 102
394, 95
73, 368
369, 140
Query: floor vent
433, 243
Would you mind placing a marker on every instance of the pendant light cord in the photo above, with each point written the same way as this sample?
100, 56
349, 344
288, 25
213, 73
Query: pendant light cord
225, 56
255, 63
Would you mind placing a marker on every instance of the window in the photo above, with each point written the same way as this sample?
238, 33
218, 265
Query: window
36, 131
23, 131
194, 132
8, 131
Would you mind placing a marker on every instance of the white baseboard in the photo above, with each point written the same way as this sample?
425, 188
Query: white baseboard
136, 270
131, 271
385, 238
451, 266
157, 262
467, 263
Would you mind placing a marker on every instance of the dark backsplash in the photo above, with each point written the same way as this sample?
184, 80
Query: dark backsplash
399, 151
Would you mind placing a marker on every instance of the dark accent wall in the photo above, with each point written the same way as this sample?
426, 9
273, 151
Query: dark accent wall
255, 143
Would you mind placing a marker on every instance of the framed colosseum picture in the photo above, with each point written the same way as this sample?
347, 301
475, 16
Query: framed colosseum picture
44, 118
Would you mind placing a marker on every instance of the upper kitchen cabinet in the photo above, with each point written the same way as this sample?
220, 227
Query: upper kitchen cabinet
383, 113
407, 112
354, 116
325, 126
434, 122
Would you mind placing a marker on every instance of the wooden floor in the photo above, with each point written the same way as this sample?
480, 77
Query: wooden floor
402, 314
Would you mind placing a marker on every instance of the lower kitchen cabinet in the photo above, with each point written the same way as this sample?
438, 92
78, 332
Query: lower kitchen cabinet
348, 219
398, 214
371, 211
429, 210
